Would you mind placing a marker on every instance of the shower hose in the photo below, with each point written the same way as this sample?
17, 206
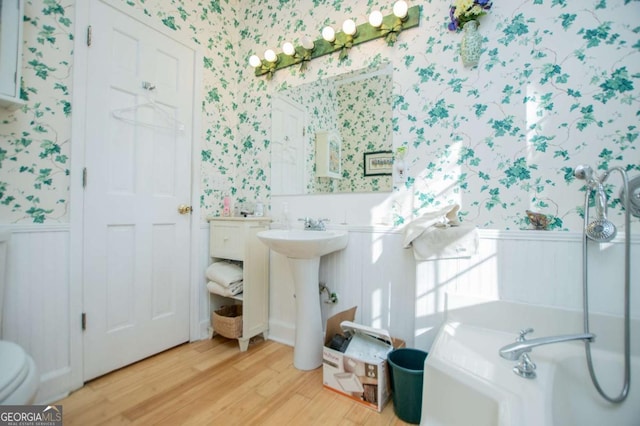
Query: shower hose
627, 279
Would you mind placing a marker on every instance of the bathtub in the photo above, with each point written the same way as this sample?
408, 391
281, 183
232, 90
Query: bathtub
466, 382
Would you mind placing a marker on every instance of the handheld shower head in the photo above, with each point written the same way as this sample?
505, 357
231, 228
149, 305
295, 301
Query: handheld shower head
602, 229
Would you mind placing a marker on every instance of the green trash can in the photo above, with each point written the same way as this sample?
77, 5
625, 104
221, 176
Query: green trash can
406, 368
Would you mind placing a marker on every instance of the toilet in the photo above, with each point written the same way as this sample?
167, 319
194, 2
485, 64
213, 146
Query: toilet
19, 378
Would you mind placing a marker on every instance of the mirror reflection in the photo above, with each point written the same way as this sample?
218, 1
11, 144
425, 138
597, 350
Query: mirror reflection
321, 132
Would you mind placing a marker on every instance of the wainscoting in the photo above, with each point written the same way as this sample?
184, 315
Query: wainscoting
374, 272
37, 312
408, 298
42, 314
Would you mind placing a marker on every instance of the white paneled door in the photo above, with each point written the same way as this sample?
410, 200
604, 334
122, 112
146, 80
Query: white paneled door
138, 172
287, 147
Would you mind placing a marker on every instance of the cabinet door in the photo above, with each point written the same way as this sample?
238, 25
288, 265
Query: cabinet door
255, 308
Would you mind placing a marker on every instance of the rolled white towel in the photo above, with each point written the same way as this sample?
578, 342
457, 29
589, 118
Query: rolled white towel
230, 291
236, 287
224, 273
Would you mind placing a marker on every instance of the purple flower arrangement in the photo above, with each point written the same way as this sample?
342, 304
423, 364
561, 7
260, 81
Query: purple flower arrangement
463, 11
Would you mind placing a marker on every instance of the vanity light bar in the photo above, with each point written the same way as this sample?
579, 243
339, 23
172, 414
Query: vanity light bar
389, 28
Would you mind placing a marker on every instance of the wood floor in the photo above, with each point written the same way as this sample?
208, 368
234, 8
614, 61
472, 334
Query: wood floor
211, 382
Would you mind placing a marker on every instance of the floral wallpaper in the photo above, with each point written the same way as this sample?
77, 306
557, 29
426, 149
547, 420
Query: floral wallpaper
501, 138
364, 109
498, 139
35, 140
320, 103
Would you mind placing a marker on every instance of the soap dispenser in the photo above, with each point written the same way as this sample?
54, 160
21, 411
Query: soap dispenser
226, 206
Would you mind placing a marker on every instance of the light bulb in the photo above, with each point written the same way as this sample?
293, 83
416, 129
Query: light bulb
349, 27
288, 49
328, 34
307, 43
375, 19
254, 61
270, 55
400, 9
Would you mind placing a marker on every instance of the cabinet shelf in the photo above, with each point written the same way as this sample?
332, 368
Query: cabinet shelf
236, 239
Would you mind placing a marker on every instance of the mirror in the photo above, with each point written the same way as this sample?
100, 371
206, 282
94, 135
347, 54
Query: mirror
323, 132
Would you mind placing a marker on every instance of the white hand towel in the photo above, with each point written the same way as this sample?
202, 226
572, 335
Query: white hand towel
446, 243
224, 273
446, 216
440, 235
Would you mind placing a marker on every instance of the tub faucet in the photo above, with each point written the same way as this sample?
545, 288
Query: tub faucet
520, 349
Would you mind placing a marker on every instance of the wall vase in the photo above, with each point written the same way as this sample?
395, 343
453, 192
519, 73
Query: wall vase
471, 44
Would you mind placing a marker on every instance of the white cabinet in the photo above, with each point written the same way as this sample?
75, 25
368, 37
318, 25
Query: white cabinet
11, 12
328, 154
235, 239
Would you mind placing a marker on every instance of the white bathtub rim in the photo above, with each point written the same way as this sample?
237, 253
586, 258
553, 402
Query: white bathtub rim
518, 399
545, 320
521, 401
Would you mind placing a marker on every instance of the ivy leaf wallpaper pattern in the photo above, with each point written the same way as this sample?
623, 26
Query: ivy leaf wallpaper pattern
34, 141
498, 139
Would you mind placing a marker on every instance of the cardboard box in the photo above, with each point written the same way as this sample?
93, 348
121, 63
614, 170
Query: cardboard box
361, 372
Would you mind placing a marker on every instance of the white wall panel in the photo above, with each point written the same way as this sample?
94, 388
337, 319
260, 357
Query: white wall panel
374, 272
36, 309
409, 298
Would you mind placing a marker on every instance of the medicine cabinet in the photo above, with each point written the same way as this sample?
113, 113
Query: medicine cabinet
328, 154
11, 13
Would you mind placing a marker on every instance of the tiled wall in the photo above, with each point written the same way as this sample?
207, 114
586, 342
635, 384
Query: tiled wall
498, 139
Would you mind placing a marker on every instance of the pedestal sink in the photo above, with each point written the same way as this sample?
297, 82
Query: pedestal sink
303, 249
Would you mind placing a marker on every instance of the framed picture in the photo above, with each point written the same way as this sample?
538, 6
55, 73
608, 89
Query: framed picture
379, 163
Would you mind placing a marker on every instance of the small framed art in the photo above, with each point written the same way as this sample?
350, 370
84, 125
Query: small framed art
378, 163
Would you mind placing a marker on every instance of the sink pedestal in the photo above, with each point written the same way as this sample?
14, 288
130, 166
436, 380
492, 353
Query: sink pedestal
304, 249
307, 352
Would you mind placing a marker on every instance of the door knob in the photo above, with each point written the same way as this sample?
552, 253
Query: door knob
184, 209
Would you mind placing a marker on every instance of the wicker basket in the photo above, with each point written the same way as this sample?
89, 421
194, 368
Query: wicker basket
227, 321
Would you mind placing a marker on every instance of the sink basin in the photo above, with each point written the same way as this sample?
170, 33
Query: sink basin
300, 244
303, 250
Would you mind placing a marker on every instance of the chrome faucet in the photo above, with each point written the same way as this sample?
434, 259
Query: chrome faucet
312, 224
520, 349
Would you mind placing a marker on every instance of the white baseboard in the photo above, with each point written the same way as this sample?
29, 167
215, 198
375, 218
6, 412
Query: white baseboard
203, 329
282, 332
